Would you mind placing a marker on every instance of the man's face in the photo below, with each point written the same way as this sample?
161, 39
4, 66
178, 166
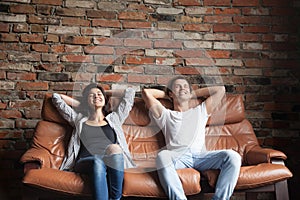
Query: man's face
181, 90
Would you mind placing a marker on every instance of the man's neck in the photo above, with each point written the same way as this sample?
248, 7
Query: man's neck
181, 106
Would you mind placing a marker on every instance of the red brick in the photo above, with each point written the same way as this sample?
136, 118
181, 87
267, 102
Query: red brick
48, 2
258, 63
106, 23
77, 58
32, 86
2, 75
132, 78
76, 40
136, 24
227, 11
21, 28
4, 27
227, 28
64, 86
33, 114
217, 2
199, 61
9, 37
21, 76
198, 27
139, 60
256, 29
188, 70
128, 69
101, 14
110, 78
218, 54
40, 47
99, 50
217, 19
129, 15
130, 42
168, 44
252, 20
57, 48
10, 114
247, 37
189, 53
32, 38
245, 3
27, 104
22, 9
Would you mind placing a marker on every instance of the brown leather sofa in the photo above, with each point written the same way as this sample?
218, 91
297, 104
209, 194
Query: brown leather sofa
262, 168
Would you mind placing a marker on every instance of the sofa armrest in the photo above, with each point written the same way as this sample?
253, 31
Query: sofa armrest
258, 155
35, 156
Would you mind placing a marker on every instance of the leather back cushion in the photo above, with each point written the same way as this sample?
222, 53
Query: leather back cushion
227, 128
53, 138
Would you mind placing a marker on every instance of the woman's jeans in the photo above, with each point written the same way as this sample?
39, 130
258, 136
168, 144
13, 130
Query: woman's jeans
106, 173
228, 161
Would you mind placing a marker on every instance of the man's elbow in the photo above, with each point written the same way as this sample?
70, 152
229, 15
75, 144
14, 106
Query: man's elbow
222, 90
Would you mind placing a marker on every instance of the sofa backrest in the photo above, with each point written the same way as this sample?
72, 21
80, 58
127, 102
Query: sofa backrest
227, 128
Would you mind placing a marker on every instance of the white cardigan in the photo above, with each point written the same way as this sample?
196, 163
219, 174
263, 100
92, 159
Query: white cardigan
115, 119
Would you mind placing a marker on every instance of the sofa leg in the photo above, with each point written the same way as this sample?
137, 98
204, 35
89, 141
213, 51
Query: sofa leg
29, 194
250, 195
281, 190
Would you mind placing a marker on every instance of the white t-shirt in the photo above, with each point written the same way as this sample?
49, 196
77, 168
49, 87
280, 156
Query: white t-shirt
184, 130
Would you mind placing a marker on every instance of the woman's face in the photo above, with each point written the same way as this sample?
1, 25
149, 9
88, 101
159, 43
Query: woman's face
96, 98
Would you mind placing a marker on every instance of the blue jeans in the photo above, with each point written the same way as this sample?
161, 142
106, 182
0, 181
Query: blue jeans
228, 161
106, 173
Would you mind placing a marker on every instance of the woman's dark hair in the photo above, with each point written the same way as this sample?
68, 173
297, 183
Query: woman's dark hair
83, 107
171, 83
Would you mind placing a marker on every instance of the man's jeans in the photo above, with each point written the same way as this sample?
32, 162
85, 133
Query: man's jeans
106, 174
228, 161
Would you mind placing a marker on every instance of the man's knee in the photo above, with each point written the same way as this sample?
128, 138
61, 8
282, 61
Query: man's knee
234, 157
164, 159
113, 149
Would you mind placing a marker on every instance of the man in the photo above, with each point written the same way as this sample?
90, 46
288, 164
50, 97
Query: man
184, 131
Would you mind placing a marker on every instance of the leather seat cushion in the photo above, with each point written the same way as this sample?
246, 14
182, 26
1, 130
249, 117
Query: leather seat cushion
144, 182
254, 176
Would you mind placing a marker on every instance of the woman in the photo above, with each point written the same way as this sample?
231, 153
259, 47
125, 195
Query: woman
97, 146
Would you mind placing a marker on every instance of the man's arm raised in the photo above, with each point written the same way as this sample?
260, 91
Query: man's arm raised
214, 96
151, 96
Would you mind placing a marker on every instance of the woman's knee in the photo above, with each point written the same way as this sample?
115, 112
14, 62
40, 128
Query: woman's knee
113, 149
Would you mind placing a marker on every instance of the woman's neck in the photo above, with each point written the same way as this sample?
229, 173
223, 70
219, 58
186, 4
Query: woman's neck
97, 116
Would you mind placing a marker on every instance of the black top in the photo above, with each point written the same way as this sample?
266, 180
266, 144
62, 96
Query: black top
95, 139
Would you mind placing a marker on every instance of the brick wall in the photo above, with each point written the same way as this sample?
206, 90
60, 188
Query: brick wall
251, 47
